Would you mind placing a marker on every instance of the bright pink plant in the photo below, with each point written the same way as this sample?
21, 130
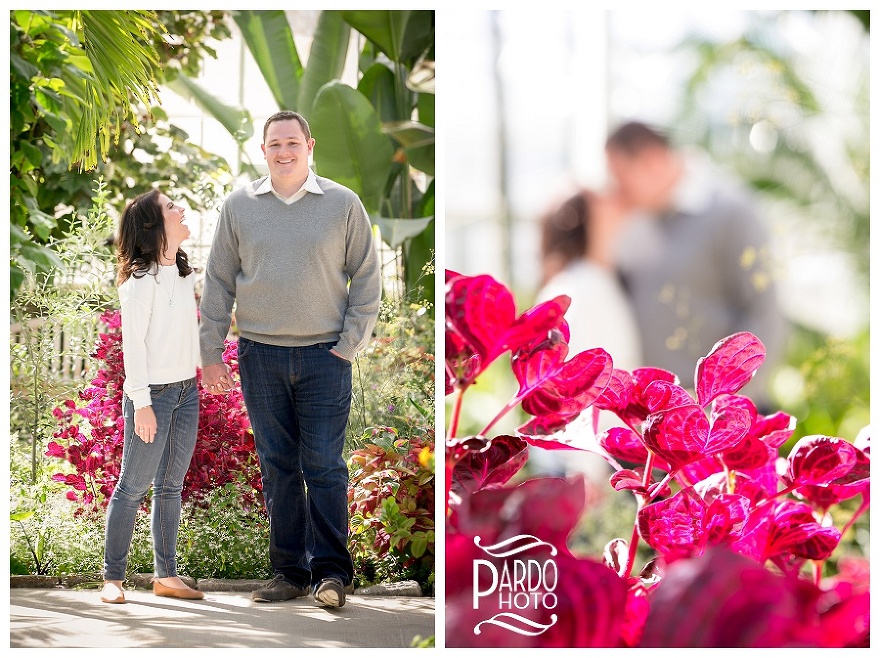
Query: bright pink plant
224, 452
711, 500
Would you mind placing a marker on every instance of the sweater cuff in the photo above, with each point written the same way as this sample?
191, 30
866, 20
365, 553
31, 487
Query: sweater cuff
141, 398
211, 357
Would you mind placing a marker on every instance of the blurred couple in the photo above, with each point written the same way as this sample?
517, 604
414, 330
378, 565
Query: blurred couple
669, 260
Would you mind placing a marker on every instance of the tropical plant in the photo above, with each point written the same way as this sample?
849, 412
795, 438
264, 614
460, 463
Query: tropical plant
725, 524
377, 139
83, 90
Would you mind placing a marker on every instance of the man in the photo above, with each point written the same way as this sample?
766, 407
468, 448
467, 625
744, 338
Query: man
696, 263
295, 253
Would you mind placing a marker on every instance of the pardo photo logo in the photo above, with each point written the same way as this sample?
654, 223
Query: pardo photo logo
516, 585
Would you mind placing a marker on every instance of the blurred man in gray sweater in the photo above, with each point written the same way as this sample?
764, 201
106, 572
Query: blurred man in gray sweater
294, 253
695, 261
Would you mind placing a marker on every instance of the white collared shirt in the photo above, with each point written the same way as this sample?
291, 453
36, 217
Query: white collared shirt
311, 185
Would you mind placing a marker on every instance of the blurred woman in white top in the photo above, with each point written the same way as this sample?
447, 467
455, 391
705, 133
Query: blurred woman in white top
160, 403
577, 247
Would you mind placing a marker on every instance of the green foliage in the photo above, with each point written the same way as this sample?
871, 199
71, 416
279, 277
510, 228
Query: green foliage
61, 304
826, 384
391, 497
803, 109
423, 643
219, 539
393, 379
61, 61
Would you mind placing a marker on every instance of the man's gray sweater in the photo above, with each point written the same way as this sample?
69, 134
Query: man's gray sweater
299, 274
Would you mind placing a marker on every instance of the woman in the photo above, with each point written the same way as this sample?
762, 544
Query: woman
161, 404
577, 245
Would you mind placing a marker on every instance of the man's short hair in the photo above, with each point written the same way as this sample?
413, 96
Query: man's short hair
287, 115
634, 137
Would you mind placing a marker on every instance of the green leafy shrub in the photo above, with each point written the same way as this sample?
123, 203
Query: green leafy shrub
391, 499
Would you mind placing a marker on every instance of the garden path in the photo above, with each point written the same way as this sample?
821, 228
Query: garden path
56, 618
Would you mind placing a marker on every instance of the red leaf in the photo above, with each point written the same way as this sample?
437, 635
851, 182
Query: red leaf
674, 526
573, 386
722, 599
682, 435
625, 394
624, 444
480, 310
499, 461
626, 480
729, 366
548, 508
820, 460
662, 395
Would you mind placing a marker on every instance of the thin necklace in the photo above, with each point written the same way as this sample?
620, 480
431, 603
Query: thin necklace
173, 286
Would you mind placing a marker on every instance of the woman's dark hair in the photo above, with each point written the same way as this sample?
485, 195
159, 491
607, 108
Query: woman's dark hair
141, 239
564, 231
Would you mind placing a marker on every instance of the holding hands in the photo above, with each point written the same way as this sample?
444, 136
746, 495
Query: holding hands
217, 378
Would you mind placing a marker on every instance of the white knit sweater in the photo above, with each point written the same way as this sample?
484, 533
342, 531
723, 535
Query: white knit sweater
160, 331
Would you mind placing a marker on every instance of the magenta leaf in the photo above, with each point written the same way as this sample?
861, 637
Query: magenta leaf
785, 529
538, 430
729, 366
725, 518
856, 481
662, 395
774, 430
793, 529
632, 480
463, 364
592, 606
481, 311
537, 325
674, 526
499, 461
496, 512
722, 599
744, 485
618, 393
534, 367
571, 388
820, 460
637, 608
847, 623
682, 434
625, 394
624, 444
626, 480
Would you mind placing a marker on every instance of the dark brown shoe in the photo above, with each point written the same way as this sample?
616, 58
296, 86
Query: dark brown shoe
278, 589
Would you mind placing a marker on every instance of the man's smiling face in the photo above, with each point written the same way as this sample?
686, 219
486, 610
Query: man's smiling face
287, 151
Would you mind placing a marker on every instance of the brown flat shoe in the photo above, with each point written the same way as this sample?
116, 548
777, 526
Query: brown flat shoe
176, 592
112, 593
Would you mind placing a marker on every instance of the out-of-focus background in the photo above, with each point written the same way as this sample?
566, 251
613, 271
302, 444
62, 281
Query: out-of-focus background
778, 99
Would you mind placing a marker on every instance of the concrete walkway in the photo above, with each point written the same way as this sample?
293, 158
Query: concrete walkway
63, 618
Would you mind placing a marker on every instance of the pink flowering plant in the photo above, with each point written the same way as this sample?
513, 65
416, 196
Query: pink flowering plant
741, 535
89, 435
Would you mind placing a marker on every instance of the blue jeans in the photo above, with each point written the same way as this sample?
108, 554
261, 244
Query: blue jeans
164, 463
298, 400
